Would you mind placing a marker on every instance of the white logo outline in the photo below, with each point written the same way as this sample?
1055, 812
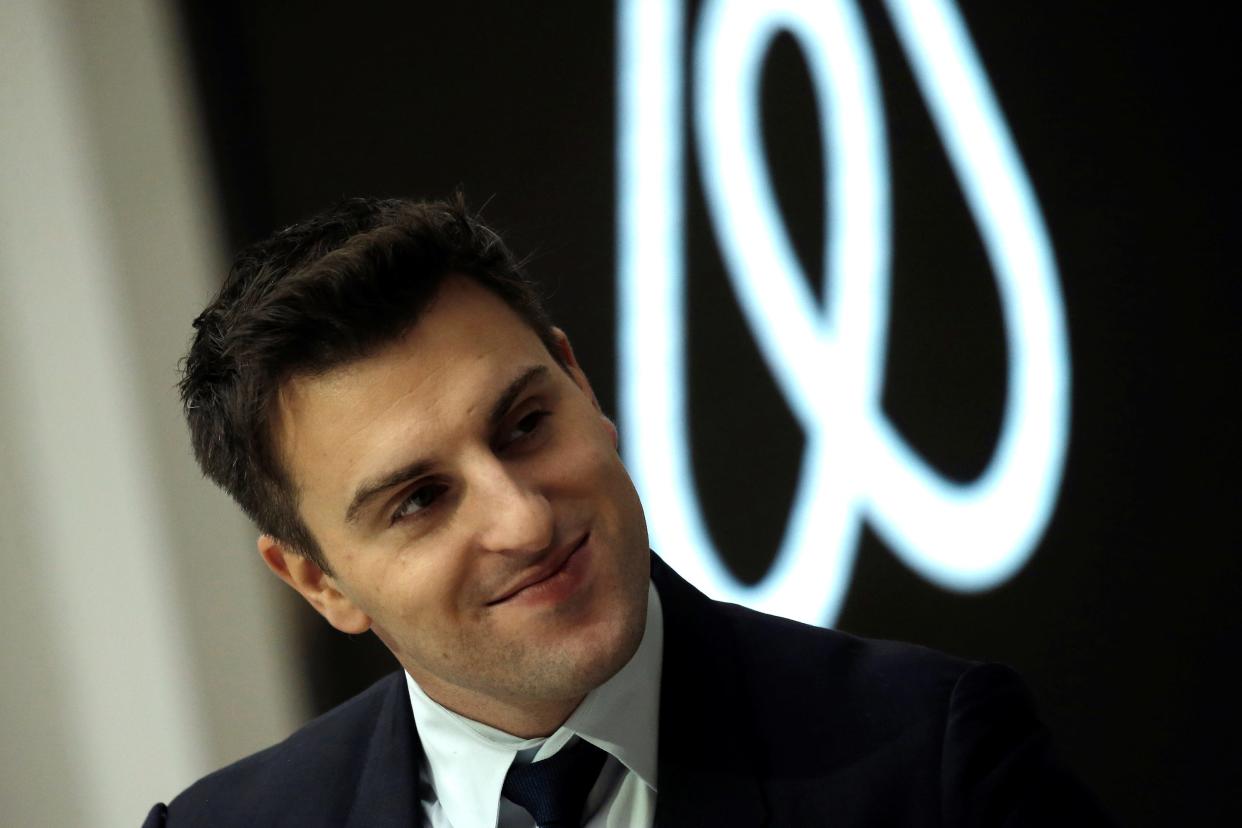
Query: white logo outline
968, 536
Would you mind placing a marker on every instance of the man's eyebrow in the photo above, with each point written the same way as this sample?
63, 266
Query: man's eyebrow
374, 486
370, 488
505, 401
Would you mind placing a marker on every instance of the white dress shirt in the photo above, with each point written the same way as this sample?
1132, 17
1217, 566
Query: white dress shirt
467, 760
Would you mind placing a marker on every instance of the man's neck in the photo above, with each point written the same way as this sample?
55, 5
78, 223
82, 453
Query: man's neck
529, 719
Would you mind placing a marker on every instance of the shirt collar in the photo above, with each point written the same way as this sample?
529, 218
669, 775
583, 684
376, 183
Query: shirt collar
467, 760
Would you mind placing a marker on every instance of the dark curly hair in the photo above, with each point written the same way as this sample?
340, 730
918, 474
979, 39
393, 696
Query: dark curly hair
319, 294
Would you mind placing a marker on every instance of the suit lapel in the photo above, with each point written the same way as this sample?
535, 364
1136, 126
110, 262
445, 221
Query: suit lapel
387, 795
706, 766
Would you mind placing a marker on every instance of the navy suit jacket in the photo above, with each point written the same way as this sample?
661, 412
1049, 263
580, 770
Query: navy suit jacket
763, 721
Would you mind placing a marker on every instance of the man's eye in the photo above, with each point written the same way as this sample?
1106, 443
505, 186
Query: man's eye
526, 426
418, 500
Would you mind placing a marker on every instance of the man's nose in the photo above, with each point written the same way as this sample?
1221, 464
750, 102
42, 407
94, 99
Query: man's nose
515, 516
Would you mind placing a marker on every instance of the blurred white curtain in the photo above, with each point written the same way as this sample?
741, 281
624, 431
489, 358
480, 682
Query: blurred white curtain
142, 644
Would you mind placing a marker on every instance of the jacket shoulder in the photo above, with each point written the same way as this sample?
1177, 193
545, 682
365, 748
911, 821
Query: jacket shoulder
848, 695
826, 661
309, 778
912, 735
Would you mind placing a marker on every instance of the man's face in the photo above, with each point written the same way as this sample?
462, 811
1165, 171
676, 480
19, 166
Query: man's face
443, 476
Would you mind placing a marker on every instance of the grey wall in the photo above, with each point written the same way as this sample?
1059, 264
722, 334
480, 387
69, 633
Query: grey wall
143, 646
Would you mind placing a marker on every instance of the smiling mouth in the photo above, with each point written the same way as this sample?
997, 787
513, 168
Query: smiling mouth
543, 575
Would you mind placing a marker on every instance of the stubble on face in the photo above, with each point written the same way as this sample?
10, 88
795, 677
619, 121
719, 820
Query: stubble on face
523, 669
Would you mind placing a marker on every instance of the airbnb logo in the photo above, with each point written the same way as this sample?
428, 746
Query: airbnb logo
828, 363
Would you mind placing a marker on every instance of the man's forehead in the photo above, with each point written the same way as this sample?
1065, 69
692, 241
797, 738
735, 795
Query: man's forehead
408, 395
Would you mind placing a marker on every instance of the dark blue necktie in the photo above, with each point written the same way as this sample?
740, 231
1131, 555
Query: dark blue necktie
554, 791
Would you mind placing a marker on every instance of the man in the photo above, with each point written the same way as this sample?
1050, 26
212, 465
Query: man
380, 390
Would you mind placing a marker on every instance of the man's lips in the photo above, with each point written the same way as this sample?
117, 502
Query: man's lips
549, 568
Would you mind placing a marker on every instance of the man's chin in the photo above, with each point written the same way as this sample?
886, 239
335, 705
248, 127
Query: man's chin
577, 663
606, 654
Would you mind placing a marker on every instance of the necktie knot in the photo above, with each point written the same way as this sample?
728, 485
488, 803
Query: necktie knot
554, 791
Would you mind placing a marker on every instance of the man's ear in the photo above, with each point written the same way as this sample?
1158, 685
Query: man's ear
566, 352
312, 583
